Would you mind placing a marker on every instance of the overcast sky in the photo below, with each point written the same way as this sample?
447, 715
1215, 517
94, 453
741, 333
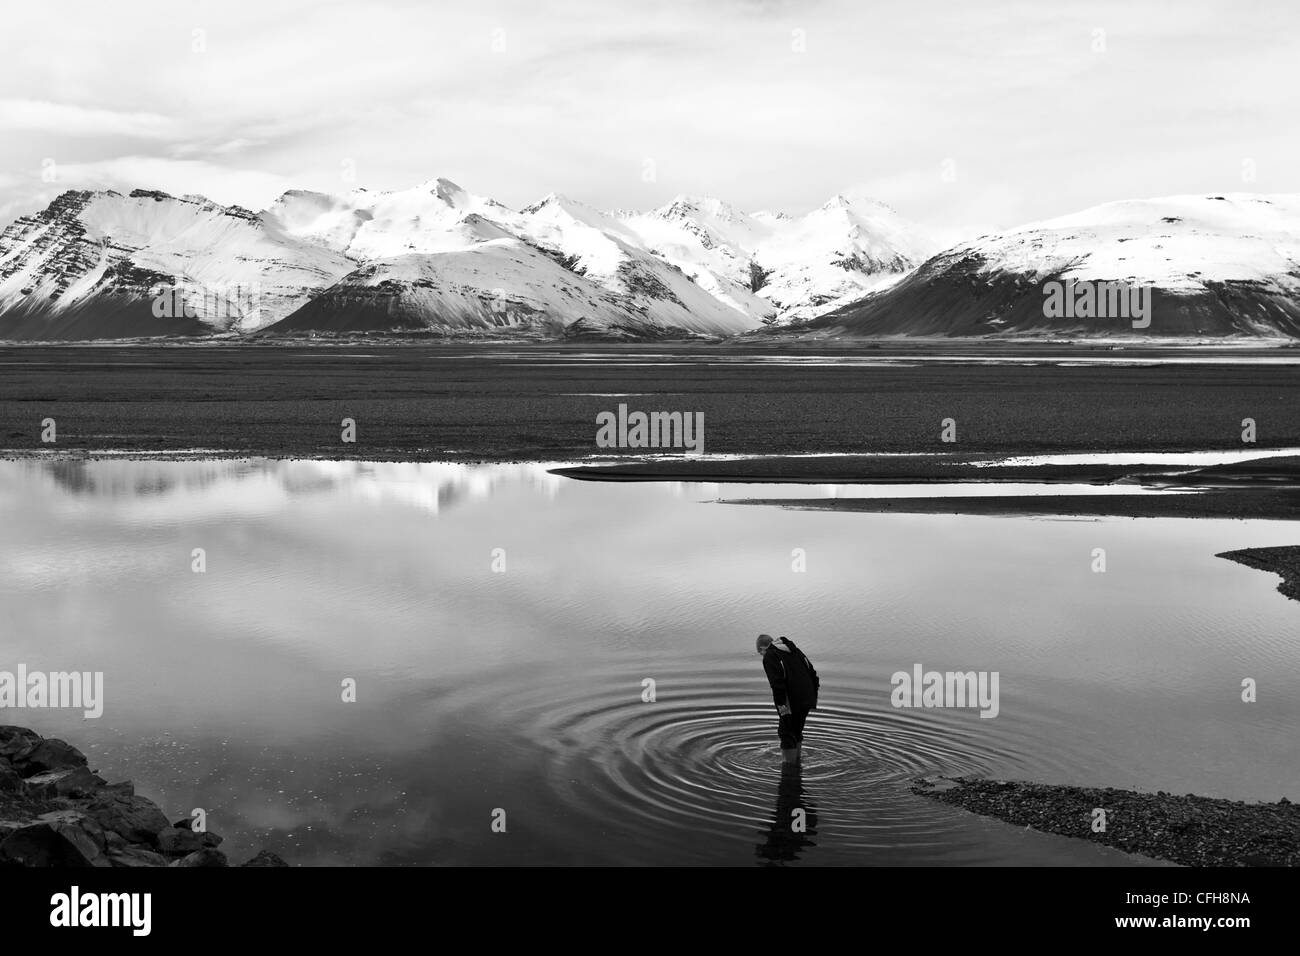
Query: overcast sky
965, 116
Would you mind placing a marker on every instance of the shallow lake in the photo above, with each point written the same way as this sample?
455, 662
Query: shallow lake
513, 680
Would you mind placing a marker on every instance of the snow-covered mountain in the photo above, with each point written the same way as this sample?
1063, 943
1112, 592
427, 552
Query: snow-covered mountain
603, 250
1214, 266
798, 266
103, 264
93, 265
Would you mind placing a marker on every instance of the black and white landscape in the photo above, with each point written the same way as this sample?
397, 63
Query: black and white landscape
411, 418
93, 265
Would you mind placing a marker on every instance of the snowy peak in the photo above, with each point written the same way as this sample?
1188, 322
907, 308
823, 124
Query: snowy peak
697, 264
318, 218
550, 200
1175, 242
95, 263
795, 266
692, 207
603, 249
448, 192
1213, 266
859, 199
430, 218
558, 208
865, 226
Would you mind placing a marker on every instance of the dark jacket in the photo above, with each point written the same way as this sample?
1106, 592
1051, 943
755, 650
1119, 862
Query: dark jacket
793, 678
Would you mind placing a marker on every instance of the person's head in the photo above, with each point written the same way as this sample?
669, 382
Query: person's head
763, 643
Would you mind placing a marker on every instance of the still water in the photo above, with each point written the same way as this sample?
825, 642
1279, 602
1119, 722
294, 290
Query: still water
501, 624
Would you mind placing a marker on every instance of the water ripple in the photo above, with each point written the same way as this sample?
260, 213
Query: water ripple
697, 773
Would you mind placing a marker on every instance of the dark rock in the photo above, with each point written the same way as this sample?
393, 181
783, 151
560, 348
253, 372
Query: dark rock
78, 819
61, 783
83, 821
121, 853
207, 836
126, 788
135, 856
174, 842
9, 731
137, 819
47, 755
204, 857
40, 844
81, 831
265, 858
16, 740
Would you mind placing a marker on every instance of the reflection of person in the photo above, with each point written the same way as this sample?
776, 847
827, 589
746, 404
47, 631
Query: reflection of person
795, 824
794, 690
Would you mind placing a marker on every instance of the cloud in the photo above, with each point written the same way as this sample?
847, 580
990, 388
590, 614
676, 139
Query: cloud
770, 104
70, 120
223, 184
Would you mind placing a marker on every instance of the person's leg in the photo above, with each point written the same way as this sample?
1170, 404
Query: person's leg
785, 729
796, 726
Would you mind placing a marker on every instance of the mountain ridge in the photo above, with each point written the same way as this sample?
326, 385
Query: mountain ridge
1215, 266
94, 264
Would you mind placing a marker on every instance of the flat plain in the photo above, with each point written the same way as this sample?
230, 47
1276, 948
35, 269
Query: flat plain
530, 401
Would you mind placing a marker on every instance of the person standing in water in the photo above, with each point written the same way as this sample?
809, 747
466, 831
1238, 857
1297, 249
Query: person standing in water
794, 690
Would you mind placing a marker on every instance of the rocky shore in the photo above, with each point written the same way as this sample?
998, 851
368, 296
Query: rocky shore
56, 811
1189, 830
1283, 561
